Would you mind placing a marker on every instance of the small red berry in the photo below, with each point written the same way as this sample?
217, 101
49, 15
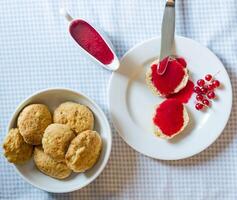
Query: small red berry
205, 102
203, 90
197, 90
211, 95
216, 83
200, 82
208, 77
210, 87
199, 106
199, 97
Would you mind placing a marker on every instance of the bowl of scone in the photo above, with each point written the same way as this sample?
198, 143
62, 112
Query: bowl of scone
58, 140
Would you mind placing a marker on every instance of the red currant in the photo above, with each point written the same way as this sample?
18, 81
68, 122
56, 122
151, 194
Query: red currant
203, 90
197, 90
208, 77
200, 82
210, 87
216, 83
205, 102
199, 106
199, 97
211, 95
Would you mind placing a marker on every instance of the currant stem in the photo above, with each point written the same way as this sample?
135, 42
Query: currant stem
214, 76
201, 103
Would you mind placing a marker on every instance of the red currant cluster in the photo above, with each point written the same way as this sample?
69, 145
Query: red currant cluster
205, 90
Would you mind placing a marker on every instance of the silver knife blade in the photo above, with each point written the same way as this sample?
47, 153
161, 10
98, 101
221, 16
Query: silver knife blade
168, 30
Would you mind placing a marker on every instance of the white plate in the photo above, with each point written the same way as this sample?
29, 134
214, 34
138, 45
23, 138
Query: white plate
52, 98
132, 103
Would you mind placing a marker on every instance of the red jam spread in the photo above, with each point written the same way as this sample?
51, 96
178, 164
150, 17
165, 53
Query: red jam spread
181, 61
185, 94
172, 77
169, 117
91, 41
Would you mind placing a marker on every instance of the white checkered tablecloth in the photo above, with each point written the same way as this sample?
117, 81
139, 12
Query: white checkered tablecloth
36, 52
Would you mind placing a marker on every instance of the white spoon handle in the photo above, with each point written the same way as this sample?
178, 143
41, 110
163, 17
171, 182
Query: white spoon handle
65, 14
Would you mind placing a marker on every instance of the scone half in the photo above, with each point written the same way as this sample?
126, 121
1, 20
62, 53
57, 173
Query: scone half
151, 82
170, 119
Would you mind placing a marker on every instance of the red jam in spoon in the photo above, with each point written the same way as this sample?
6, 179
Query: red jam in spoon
91, 41
169, 117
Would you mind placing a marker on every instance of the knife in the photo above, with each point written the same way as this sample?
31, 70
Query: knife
167, 36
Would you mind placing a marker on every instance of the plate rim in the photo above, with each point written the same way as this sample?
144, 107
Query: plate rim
180, 157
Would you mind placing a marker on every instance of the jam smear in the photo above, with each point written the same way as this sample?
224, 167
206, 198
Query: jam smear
181, 61
185, 94
167, 82
90, 40
169, 116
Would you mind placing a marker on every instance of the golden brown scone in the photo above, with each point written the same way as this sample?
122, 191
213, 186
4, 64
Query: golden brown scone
56, 140
32, 122
16, 150
78, 117
84, 151
159, 133
49, 166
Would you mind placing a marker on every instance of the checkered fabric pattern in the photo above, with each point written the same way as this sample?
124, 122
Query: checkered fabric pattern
36, 52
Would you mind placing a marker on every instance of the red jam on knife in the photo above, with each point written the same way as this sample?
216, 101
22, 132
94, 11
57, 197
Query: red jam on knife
91, 41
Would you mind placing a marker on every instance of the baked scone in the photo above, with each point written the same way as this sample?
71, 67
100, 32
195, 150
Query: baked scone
172, 81
170, 118
49, 166
16, 150
32, 122
78, 117
84, 151
56, 140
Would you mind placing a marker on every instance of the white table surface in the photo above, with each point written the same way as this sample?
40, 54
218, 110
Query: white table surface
36, 52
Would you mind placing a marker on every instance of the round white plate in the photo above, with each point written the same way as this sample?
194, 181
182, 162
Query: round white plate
132, 103
52, 98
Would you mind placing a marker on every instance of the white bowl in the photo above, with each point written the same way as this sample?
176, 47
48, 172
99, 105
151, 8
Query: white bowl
52, 98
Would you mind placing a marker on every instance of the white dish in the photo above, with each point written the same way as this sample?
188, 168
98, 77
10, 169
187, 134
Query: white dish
52, 98
114, 65
132, 103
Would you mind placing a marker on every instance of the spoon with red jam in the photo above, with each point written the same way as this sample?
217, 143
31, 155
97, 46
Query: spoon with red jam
92, 42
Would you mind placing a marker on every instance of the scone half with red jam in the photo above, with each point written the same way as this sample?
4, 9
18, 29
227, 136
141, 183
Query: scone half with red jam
174, 79
170, 118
